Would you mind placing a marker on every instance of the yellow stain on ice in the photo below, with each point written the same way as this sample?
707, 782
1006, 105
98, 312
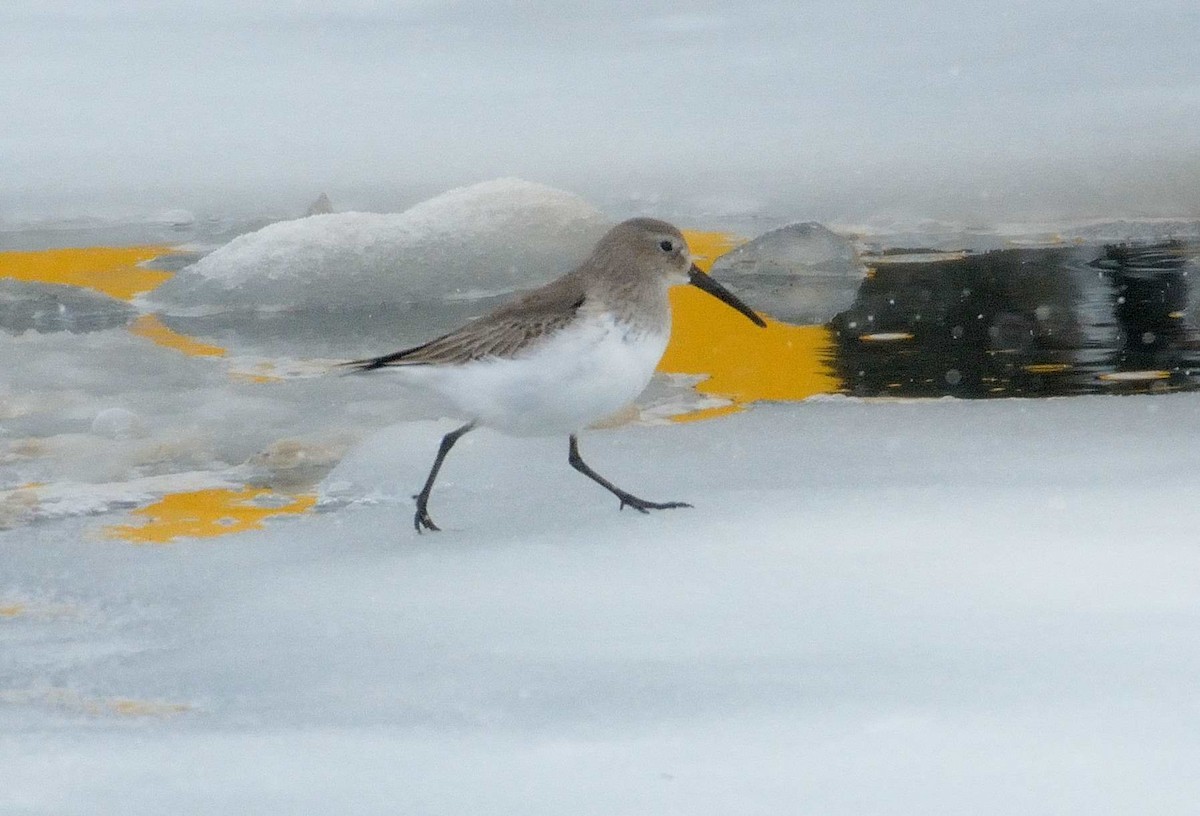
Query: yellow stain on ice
702, 414
113, 271
153, 329
261, 373
205, 514
12, 610
743, 362
246, 376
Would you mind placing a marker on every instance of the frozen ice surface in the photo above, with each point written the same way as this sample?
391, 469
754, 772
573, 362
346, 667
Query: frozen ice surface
875, 607
489, 238
42, 307
106, 407
1144, 230
807, 272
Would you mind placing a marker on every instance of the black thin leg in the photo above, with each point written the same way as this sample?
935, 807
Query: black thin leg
627, 499
421, 520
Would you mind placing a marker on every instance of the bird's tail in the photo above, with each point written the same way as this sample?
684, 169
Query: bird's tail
396, 358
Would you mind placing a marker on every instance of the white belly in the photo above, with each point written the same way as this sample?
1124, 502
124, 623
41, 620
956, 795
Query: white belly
582, 374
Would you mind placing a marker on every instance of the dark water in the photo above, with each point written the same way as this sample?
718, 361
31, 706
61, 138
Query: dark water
1022, 322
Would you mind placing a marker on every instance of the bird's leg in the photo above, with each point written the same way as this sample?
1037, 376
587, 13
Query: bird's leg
641, 505
421, 520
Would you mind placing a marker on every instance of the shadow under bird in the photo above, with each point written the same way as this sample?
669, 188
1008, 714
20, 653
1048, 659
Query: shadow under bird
565, 355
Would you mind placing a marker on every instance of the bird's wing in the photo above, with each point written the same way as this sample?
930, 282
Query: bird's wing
502, 333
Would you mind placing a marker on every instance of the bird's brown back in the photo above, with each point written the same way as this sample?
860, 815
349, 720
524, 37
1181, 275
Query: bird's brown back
504, 332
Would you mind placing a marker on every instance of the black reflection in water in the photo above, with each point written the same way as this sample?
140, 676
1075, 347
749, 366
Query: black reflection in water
1022, 322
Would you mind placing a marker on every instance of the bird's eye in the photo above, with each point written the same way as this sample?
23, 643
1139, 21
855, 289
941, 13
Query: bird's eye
666, 246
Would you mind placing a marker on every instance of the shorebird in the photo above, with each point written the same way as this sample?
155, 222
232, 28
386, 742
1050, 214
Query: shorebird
562, 356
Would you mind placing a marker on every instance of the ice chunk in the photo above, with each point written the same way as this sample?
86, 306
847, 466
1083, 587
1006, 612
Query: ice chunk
322, 206
498, 236
179, 219
118, 423
296, 463
797, 249
806, 271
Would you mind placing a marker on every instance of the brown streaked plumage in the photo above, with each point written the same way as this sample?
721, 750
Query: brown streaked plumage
502, 333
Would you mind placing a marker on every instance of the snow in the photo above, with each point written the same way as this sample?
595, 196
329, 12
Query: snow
883, 607
487, 239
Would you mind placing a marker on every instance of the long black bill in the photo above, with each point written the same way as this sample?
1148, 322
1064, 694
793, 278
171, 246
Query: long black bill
701, 279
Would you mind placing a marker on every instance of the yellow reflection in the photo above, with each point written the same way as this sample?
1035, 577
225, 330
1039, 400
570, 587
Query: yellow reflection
151, 328
205, 514
706, 247
744, 362
111, 270
1134, 376
886, 337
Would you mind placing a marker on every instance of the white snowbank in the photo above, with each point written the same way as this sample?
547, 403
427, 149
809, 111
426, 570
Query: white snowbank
488, 238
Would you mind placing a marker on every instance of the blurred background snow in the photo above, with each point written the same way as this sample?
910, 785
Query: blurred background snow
845, 112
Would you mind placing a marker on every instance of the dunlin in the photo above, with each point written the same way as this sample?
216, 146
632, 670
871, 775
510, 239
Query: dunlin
563, 356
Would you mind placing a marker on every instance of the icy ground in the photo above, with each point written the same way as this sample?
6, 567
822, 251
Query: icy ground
875, 607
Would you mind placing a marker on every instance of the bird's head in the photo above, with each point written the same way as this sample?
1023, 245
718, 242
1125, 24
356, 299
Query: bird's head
656, 250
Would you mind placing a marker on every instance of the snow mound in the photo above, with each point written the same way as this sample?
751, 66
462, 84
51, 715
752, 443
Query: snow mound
498, 236
808, 272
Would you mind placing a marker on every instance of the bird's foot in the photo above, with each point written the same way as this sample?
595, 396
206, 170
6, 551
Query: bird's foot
643, 506
422, 520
